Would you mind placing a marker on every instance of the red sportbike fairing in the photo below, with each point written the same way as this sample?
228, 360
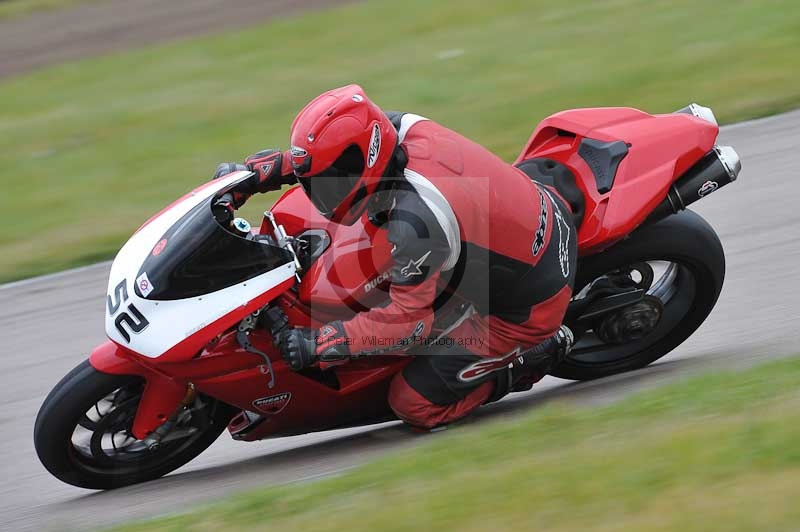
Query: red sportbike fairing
193, 305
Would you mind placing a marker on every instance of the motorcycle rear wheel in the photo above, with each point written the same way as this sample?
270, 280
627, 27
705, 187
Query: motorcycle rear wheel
690, 254
82, 432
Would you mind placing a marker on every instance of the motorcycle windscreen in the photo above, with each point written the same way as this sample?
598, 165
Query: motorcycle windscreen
197, 256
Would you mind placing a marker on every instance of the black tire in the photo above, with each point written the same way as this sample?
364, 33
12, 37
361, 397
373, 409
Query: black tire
684, 239
65, 408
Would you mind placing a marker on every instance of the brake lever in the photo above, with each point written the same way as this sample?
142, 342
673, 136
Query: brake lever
243, 337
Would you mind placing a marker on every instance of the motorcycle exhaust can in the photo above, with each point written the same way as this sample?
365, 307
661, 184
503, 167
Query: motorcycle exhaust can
716, 169
699, 111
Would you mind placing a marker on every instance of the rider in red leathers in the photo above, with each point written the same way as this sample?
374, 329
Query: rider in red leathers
461, 220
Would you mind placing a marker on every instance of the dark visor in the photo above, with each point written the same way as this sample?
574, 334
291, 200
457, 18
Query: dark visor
329, 188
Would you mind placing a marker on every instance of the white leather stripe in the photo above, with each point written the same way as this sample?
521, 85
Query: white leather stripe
406, 122
441, 209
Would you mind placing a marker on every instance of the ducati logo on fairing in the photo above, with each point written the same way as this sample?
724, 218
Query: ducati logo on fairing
273, 404
374, 146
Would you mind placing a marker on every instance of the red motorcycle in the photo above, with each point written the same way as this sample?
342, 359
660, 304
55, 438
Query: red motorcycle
193, 304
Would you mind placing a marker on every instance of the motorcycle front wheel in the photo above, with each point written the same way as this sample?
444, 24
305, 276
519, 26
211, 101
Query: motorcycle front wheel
83, 433
680, 263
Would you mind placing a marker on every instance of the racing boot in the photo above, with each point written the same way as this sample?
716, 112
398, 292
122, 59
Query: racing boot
534, 364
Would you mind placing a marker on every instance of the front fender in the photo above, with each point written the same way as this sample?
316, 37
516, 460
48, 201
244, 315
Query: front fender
161, 396
108, 357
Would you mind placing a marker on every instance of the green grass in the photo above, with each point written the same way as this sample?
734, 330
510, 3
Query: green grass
716, 452
90, 149
15, 8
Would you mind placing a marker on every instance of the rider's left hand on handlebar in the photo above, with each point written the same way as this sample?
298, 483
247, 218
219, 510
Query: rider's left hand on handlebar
298, 347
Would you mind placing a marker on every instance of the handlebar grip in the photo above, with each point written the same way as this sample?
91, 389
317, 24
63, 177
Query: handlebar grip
225, 198
223, 209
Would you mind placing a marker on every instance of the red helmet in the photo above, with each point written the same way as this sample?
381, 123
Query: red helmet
341, 145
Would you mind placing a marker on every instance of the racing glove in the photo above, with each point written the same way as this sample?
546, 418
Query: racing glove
305, 347
270, 172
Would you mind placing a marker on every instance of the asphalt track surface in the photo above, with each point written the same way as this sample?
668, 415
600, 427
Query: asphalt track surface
49, 324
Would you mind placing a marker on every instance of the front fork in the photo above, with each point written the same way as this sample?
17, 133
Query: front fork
161, 398
164, 395
153, 440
